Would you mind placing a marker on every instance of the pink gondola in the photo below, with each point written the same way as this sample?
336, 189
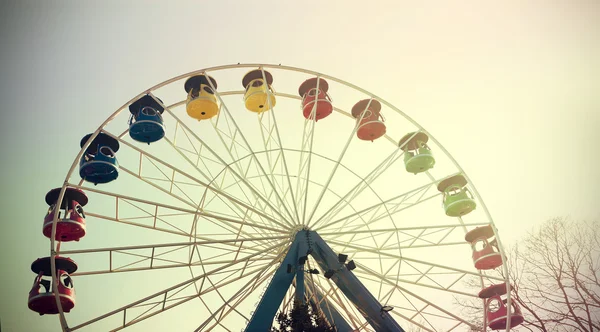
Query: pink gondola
41, 296
70, 225
496, 309
486, 255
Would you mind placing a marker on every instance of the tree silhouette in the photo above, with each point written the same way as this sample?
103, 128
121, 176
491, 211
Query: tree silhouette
555, 277
302, 318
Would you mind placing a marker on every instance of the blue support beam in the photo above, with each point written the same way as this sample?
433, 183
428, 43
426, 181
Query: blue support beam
302, 257
271, 300
299, 294
349, 284
310, 243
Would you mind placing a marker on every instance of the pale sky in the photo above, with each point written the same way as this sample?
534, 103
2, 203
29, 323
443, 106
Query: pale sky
509, 88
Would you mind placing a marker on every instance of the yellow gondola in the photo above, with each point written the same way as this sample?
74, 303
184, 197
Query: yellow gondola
257, 93
201, 102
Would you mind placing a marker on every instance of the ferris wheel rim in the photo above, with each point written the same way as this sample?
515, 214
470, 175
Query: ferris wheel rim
100, 129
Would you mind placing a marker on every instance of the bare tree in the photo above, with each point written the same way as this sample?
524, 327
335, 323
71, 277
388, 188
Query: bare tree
555, 277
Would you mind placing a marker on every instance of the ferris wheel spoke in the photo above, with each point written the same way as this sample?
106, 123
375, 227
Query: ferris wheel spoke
364, 183
304, 164
330, 289
391, 206
243, 293
272, 142
232, 136
424, 317
173, 172
227, 302
300, 197
413, 322
222, 252
365, 271
249, 214
319, 293
148, 313
152, 215
164, 294
413, 308
202, 159
218, 184
258, 265
385, 300
256, 202
435, 238
428, 303
413, 237
317, 296
376, 251
329, 190
337, 164
212, 156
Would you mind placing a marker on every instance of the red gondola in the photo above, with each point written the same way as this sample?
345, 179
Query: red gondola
496, 310
371, 125
41, 296
315, 97
486, 255
70, 225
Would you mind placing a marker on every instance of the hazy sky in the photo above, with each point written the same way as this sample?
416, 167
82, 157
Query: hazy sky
509, 88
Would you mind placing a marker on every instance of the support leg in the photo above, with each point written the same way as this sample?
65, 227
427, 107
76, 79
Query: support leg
271, 300
349, 284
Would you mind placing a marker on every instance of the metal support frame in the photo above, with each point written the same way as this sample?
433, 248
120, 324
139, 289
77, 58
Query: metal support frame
230, 133
302, 182
251, 216
300, 267
349, 284
346, 281
267, 308
364, 183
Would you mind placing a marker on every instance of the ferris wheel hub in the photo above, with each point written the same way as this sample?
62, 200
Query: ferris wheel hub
298, 228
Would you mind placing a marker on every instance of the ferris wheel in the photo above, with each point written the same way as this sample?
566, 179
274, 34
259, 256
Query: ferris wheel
220, 197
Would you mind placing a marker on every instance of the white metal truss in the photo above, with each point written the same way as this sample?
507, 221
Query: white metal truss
362, 185
164, 295
389, 207
150, 255
351, 137
231, 136
250, 230
303, 176
228, 138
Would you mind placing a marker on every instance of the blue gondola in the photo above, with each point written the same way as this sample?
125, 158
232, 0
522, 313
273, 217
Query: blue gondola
146, 123
99, 163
